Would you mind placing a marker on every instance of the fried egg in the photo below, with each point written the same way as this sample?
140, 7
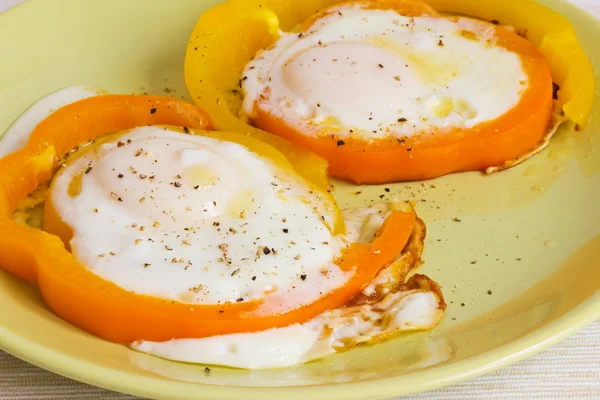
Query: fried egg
370, 73
206, 219
201, 220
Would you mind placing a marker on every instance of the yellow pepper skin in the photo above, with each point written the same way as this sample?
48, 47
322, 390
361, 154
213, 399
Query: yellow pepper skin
227, 36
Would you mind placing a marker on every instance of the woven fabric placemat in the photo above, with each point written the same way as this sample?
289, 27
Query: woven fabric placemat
568, 370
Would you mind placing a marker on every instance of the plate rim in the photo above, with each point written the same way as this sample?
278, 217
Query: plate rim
373, 388
378, 388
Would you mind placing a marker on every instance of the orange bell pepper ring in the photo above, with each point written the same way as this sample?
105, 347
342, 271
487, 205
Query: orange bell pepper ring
100, 306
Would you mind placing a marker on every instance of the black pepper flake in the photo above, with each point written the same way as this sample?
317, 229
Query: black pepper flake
196, 187
402, 120
462, 304
495, 21
266, 250
522, 32
387, 189
285, 230
88, 170
254, 278
177, 184
380, 65
341, 143
207, 370
186, 129
456, 219
240, 300
303, 277
474, 262
120, 176
146, 265
409, 148
440, 43
555, 89
300, 34
489, 292
120, 144
152, 110
116, 196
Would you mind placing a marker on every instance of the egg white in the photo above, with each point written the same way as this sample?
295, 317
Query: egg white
197, 220
369, 73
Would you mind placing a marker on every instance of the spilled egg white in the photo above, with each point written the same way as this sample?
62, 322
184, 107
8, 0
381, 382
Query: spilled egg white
369, 73
328, 333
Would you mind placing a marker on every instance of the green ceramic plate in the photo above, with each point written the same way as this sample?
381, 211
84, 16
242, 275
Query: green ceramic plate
520, 270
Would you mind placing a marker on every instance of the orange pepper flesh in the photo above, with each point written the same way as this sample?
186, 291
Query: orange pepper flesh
103, 308
487, 144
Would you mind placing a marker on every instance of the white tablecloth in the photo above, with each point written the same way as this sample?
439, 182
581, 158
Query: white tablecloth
569, 370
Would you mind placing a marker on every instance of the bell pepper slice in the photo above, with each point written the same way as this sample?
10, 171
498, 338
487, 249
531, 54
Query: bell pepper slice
220, 47
103, 308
